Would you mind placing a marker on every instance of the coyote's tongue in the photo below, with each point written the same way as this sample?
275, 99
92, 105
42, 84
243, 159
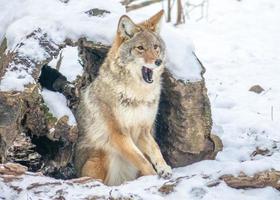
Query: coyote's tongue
147, 74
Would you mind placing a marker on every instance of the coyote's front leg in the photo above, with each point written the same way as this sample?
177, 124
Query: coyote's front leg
124, 145
150, 148
130, 152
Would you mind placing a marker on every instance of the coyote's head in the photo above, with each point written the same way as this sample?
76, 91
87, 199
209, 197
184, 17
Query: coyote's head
139, 48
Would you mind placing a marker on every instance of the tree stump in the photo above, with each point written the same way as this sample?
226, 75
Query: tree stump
184, 122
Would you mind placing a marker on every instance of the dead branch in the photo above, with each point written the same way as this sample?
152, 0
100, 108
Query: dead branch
203, 6
141, 5
82, 180
127, 2
58, 64
36, 185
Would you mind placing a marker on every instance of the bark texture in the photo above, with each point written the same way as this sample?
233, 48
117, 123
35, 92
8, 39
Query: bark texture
184, 122
29, 133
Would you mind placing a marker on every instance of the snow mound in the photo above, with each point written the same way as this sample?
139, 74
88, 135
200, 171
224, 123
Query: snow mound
15, 80
57, 104
71, 20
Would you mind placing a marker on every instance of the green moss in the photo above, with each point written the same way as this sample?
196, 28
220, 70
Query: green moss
49, 116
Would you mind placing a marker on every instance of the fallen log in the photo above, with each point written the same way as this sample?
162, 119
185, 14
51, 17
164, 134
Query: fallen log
29, 133
259, 180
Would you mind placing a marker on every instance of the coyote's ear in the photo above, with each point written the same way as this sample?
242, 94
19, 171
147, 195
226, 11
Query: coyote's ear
154, 22
126, 27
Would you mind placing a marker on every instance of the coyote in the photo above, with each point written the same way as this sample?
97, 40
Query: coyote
117, 111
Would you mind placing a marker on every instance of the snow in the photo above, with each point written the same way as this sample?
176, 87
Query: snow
62, 21
57, 105
180, 58
15, 80
239, 46
32, 49
70, 66
240, 53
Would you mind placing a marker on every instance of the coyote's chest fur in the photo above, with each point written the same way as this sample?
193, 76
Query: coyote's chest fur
118, 109
137, 115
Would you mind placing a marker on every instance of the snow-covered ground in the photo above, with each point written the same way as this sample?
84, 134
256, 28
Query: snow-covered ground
239, 45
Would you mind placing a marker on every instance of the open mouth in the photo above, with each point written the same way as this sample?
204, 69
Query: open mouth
147, 74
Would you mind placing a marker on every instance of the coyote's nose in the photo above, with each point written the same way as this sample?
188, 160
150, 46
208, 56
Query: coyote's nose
158, 62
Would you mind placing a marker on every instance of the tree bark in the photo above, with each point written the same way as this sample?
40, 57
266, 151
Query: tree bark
29, 134
169, 11
180, 13
184, 122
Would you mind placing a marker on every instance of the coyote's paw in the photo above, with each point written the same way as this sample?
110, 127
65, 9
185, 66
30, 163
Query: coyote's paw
164, 171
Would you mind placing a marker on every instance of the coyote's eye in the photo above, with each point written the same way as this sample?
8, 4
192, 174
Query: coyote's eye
140, 48
156, 46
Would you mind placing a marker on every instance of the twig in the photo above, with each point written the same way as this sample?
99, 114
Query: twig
127, 2
204, 5
35, 185
58, 64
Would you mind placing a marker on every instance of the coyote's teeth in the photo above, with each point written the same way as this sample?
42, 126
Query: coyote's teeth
147, 74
